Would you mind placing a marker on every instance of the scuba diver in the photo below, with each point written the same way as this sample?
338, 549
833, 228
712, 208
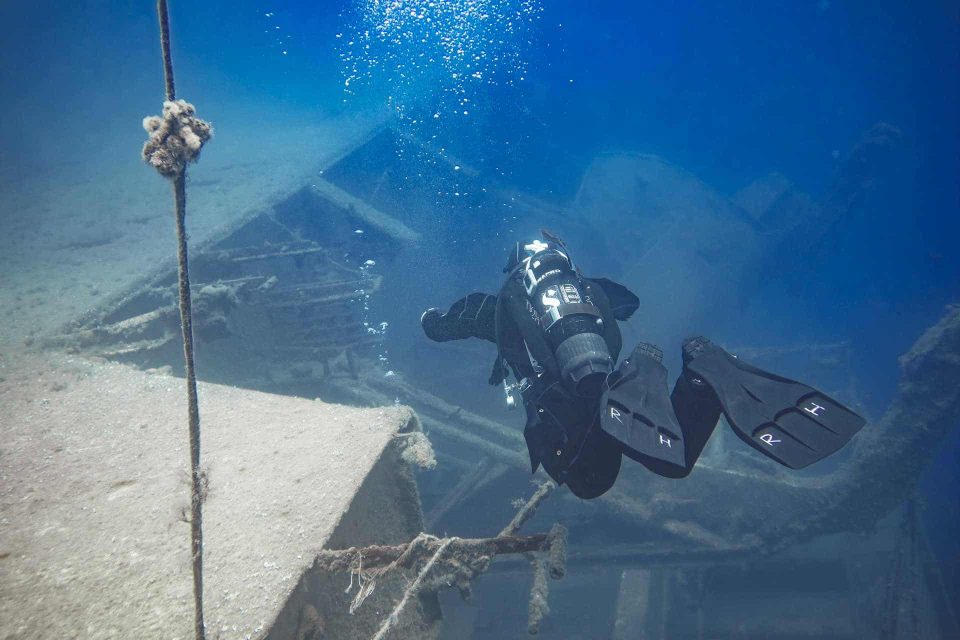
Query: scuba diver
556, 332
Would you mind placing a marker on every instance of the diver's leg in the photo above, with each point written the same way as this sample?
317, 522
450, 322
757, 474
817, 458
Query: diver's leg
638, 413
469, 317
696, 406
698, 411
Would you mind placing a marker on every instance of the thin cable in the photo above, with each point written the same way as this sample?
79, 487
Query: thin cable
186, 327
165, 49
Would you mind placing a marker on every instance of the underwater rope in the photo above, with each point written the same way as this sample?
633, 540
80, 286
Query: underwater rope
394, 617
455, 561
176, 139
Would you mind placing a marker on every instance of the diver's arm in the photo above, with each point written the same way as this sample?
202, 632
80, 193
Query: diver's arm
469, 317
623, 302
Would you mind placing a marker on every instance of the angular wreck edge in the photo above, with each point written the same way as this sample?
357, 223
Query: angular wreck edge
95, 488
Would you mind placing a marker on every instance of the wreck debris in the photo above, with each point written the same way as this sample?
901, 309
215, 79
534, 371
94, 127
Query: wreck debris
858, 176
434, 406
378, 559
693, 251
394, 616
538, 607
276, 290
893, 452
558, 553
457, 561
529, 509
556, 565
437, 416
416, 450
495, 440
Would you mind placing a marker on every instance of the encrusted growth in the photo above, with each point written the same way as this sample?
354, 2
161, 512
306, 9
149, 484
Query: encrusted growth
176, 138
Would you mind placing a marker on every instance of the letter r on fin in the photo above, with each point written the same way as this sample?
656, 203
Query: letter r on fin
768, 438
615, 414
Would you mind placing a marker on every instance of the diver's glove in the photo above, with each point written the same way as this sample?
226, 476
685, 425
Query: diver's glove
431, 322
469, 317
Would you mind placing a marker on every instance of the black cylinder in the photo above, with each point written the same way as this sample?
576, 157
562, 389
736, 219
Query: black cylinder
585, 363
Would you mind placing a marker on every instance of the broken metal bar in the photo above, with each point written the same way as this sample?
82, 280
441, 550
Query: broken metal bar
138, 347
425, 401
279, 254
326, 300
379, 557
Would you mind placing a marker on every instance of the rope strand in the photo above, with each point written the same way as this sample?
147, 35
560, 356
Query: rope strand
394, 618
186, 327
165, 49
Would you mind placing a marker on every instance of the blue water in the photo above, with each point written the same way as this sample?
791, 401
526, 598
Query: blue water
726, 91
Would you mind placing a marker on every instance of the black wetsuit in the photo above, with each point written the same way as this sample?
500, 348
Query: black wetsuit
562, 429
578, 432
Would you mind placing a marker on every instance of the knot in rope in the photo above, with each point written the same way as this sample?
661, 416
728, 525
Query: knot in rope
176, 138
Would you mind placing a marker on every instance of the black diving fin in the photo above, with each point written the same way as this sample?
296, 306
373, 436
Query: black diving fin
637, 412
790, 422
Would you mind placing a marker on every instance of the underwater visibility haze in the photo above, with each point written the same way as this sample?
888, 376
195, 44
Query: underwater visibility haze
694, 264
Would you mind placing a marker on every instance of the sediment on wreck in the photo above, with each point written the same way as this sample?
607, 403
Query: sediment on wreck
96, 494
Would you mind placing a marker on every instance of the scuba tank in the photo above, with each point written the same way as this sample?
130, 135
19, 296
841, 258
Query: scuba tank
558, 301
